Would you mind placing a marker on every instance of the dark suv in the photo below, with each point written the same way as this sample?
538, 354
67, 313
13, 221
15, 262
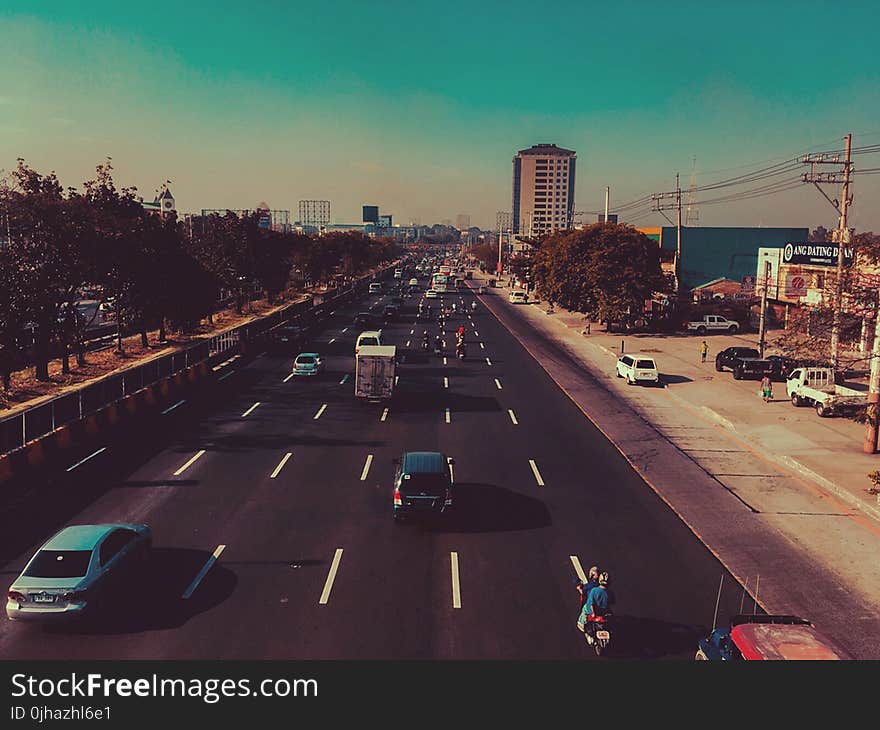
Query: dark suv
744, 362
422, 484
364, 319
286, 338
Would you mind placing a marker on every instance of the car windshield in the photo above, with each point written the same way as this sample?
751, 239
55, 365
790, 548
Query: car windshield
432, 484
647, 364
305, 360
59, 564
747, 352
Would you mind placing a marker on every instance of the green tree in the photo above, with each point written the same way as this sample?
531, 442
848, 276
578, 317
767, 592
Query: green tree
605, 271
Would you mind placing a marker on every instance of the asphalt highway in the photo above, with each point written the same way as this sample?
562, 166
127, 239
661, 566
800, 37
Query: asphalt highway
270, 503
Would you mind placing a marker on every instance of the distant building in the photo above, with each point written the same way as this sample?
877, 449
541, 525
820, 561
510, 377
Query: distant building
163, 203
384, 221
462, 221
543, 189
709, 254
371, 214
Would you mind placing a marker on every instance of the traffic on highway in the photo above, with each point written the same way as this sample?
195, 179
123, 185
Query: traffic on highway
452, 513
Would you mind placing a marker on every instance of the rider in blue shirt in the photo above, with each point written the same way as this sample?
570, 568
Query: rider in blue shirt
598, 601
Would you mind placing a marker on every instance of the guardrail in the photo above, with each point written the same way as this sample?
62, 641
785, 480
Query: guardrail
42, 419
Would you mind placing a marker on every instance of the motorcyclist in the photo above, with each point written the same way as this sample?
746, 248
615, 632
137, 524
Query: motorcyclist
597, 604
461, 333
461, 349
473, 306
438, 344
592, 581
426, 340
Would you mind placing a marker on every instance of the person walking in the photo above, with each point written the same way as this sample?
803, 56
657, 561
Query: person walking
766, 388
704, 350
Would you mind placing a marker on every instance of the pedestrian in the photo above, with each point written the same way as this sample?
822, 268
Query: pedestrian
704, 350
766, 388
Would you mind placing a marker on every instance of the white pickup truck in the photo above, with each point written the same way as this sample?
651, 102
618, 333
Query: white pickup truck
713, 323
816, 387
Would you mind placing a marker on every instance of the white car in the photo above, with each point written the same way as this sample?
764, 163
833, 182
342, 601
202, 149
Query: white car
638, 369
517, 296
431, 294
413, 282
375, 288
371, 337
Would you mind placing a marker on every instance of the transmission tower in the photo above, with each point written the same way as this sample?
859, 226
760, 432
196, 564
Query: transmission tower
692, 214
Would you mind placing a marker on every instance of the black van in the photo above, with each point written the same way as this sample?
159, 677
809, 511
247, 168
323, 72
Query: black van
422, 484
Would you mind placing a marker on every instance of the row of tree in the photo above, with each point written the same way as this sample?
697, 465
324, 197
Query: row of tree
57, 243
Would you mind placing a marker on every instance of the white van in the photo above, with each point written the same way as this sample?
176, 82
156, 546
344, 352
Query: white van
370, 337
638, 369
518, 296
375, 288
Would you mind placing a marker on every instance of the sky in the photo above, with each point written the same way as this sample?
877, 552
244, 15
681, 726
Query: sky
418, 107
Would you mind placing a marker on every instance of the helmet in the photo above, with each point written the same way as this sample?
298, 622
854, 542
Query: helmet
593, 573
604, 578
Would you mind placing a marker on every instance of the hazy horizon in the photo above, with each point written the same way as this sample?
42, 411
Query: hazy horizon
419, 107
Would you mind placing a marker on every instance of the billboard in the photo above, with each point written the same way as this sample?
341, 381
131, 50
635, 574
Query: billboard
384, 221
815, 254
612, 218
795, 285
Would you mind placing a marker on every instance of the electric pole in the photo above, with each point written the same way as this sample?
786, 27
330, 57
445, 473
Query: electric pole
763, 324
607, 201
871, 424
843, 237
659, 207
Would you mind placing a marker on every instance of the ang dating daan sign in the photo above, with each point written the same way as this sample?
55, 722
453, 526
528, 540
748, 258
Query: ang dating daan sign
815, 254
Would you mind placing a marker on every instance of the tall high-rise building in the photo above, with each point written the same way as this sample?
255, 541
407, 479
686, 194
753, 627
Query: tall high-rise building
543, 189
462, 221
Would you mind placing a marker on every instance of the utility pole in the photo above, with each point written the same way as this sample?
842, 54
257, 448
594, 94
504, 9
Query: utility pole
871, 424
763, 324
659, 207
607, 201
843, 238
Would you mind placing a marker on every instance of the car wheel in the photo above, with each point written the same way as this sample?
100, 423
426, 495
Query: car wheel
701, 330
718, 366
796, 401
737, 374
630, 381
732, 329
822, 411
617, 372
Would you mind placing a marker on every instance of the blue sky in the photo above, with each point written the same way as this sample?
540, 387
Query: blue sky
419, 106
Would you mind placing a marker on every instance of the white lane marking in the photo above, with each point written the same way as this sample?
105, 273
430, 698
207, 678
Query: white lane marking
578, 568
83, 461
488, 361
482, 346
223, 377
168, 410
203, 572
444, 360
366, 467
447, 416
536, 472
189, 463
331, 576
407, 343
344, 378
445, 382
412, 332
344, 329
250, 410
384, 415
396, 378
456, 587
475, 332
332, 341
288, 377
320, 411
280, 465
451, 474
498, 384
333, 313
512, 417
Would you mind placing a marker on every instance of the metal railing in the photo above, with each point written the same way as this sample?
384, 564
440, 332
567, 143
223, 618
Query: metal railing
40, 420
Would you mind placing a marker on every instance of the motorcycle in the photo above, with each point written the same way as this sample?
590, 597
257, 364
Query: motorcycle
473, 306
597, 633
461, 351
426, 345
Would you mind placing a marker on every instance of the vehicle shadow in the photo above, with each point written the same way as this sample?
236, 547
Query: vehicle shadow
482, 507
154, 599
674, 379
637, 637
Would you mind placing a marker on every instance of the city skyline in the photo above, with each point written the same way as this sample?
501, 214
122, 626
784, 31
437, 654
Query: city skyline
416, 126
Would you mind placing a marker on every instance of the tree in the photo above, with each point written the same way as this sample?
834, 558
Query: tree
819, 235
605, 270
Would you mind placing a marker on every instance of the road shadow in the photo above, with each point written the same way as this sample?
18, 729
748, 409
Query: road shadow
153, 600
482, 507
636, 637
674, 379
